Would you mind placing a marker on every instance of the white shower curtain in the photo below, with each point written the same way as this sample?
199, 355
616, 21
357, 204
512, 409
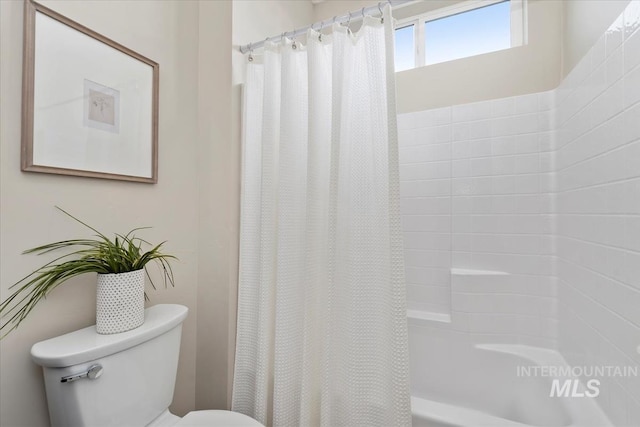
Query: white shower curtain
322, 332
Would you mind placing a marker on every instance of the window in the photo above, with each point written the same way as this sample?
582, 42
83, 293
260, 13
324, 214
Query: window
405, 48
466, 29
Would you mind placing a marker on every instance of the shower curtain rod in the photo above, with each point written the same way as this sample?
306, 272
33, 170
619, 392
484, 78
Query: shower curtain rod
319, 26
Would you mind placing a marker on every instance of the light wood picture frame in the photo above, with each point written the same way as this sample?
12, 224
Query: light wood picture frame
89, 104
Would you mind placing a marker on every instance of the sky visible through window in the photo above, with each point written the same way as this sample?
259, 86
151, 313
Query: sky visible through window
405, 49
470, 33
477, 31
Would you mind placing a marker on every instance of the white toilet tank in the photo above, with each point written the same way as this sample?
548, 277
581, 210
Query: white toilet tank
137, 377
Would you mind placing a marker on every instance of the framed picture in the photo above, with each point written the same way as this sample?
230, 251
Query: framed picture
89, 104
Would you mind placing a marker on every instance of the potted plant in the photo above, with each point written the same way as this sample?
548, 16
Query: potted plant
121, 267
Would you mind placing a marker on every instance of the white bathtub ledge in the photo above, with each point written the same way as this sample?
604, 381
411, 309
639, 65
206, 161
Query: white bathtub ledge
428, 412
583, 412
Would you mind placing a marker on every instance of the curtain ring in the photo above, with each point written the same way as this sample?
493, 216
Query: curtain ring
320, 31
349, 23
293, 35
363, 13
381, 14
250, 58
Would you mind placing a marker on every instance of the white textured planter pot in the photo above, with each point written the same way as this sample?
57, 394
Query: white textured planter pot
120, 302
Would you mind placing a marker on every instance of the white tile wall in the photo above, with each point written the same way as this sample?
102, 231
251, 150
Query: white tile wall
425, 159
475, 195
501, 219
545, 187
598, 213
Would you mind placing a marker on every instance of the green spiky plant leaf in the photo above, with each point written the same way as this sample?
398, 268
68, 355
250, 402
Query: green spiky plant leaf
99, 255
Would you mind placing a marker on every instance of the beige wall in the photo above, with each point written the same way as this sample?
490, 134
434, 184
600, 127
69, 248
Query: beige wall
255, 20
328, 9
584, 21
184, 37
218, 181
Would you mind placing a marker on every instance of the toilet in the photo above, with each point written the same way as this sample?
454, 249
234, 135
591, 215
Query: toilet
124, 379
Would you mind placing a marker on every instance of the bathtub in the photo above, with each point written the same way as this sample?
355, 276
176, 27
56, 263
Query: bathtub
457, 383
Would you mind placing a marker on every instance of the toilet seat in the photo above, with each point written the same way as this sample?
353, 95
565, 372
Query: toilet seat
217, 418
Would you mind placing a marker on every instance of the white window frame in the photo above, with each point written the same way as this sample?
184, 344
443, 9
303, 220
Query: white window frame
519, 28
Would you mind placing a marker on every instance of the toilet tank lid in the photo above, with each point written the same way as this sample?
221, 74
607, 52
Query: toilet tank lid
86, 344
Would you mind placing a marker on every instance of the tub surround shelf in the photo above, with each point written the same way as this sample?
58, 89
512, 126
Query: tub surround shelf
472, 272
433, 316
428, 315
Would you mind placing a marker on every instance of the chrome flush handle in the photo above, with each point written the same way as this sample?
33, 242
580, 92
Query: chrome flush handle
92, 373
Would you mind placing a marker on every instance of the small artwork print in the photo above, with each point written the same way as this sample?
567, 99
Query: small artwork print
102, 107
